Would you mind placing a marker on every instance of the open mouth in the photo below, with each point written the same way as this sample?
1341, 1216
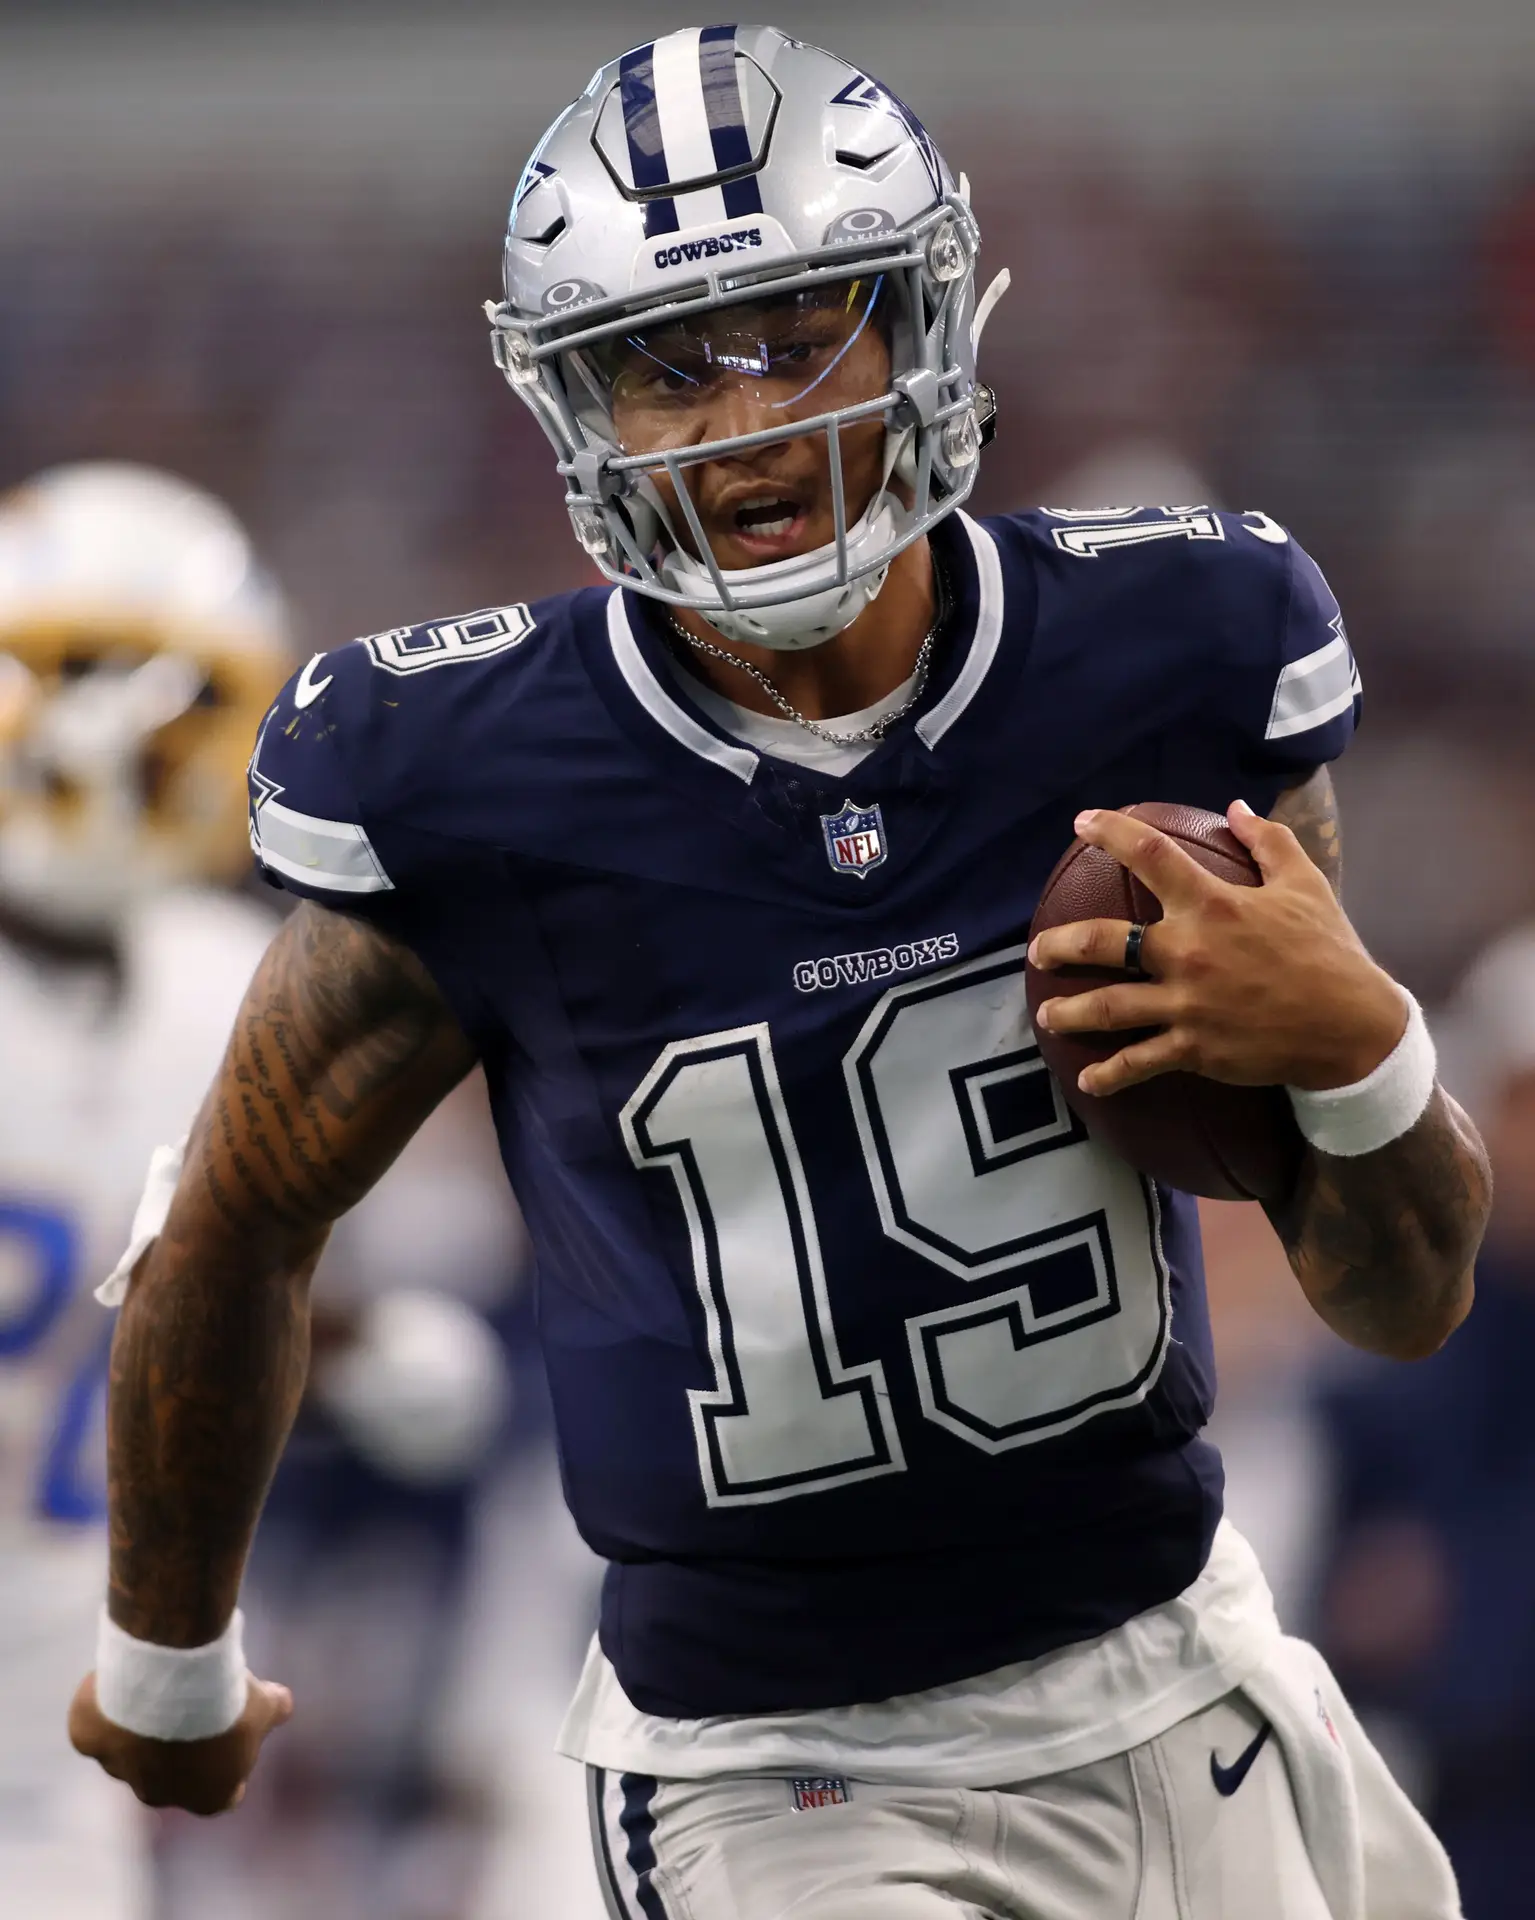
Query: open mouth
768, 522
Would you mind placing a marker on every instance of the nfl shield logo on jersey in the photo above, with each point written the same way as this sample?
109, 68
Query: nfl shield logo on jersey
855, 838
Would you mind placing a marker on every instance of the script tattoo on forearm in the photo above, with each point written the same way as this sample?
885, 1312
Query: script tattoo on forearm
1310, 811
341, 1048
1383, 1244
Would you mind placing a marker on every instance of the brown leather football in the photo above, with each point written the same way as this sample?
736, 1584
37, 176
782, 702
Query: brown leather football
1199, 1135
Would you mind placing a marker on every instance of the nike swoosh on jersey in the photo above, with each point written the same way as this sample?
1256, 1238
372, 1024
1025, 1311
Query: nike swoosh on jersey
307, 691
1228, 1779
1266, 528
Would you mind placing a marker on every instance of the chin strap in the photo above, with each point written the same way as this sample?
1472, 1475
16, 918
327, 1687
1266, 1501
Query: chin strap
814, 617
793, 626
986, 305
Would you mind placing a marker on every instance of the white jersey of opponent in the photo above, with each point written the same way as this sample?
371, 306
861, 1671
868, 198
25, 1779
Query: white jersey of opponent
94, 1079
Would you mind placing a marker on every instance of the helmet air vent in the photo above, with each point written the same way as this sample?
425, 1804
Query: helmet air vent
860, 162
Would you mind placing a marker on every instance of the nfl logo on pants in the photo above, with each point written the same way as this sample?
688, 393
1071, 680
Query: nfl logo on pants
855, 839
809, 1795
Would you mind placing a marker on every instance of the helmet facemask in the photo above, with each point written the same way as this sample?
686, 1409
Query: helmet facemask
635, 507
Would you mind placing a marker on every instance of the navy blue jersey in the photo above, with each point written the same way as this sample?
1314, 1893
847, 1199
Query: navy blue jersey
870, 1371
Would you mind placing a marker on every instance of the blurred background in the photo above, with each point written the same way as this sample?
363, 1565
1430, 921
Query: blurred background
1272, 257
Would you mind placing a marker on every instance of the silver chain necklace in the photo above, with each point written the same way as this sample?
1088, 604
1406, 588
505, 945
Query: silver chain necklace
865, 736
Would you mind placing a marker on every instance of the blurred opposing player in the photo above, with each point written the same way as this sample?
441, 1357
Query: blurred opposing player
139, 644
878, 1383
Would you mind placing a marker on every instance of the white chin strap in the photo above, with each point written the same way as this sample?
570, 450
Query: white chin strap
791, 625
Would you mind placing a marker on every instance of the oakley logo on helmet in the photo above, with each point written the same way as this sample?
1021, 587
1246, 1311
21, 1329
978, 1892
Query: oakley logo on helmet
567, 294
709, 248
861, 225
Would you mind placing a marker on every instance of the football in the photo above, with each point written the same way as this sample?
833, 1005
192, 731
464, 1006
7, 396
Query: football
1199, 1135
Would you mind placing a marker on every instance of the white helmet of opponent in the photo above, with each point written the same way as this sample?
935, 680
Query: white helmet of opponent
140, 644
717, 167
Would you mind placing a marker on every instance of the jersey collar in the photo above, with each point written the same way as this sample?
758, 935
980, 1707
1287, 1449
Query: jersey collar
646, 686
984, 641
661, 703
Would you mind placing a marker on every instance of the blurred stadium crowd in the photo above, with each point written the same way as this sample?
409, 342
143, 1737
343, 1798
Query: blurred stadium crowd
1349, 345
1353, 350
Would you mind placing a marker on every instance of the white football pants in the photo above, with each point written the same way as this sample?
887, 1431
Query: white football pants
1299, 1822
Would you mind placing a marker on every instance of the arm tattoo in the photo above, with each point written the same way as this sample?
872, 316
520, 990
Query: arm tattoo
1383, 1243
1310, 811
342, 1047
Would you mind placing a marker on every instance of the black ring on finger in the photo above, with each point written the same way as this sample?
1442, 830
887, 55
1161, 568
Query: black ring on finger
1133, 941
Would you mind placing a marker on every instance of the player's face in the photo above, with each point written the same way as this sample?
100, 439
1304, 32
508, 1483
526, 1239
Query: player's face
745, 369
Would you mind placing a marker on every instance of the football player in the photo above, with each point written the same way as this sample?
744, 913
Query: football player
139, 644
878, 1383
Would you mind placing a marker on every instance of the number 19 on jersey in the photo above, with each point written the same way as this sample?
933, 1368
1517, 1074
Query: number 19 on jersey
978, 1167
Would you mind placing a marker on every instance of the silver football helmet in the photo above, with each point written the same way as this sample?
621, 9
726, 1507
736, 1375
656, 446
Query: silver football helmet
717, 168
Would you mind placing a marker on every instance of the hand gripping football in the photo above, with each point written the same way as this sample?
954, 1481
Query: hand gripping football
1202, 1136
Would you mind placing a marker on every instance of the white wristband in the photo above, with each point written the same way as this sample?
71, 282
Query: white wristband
171, 1693
1378, 1109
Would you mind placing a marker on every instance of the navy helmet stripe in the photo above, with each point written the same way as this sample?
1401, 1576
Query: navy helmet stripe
642, 128
642, 121
660, 217
742, 197
722, 97
727, 118
639, 1824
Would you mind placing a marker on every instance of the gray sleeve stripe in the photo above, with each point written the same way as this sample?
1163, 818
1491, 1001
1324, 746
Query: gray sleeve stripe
321, 853
1313, 689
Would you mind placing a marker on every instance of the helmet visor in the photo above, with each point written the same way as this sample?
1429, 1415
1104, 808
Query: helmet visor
762, 364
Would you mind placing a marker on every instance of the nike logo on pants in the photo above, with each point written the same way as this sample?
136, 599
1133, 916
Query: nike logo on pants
1228, 1779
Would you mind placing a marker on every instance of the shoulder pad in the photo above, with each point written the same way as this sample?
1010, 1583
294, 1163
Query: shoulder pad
1216, 583
1101, 533
357, 687
399, 727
